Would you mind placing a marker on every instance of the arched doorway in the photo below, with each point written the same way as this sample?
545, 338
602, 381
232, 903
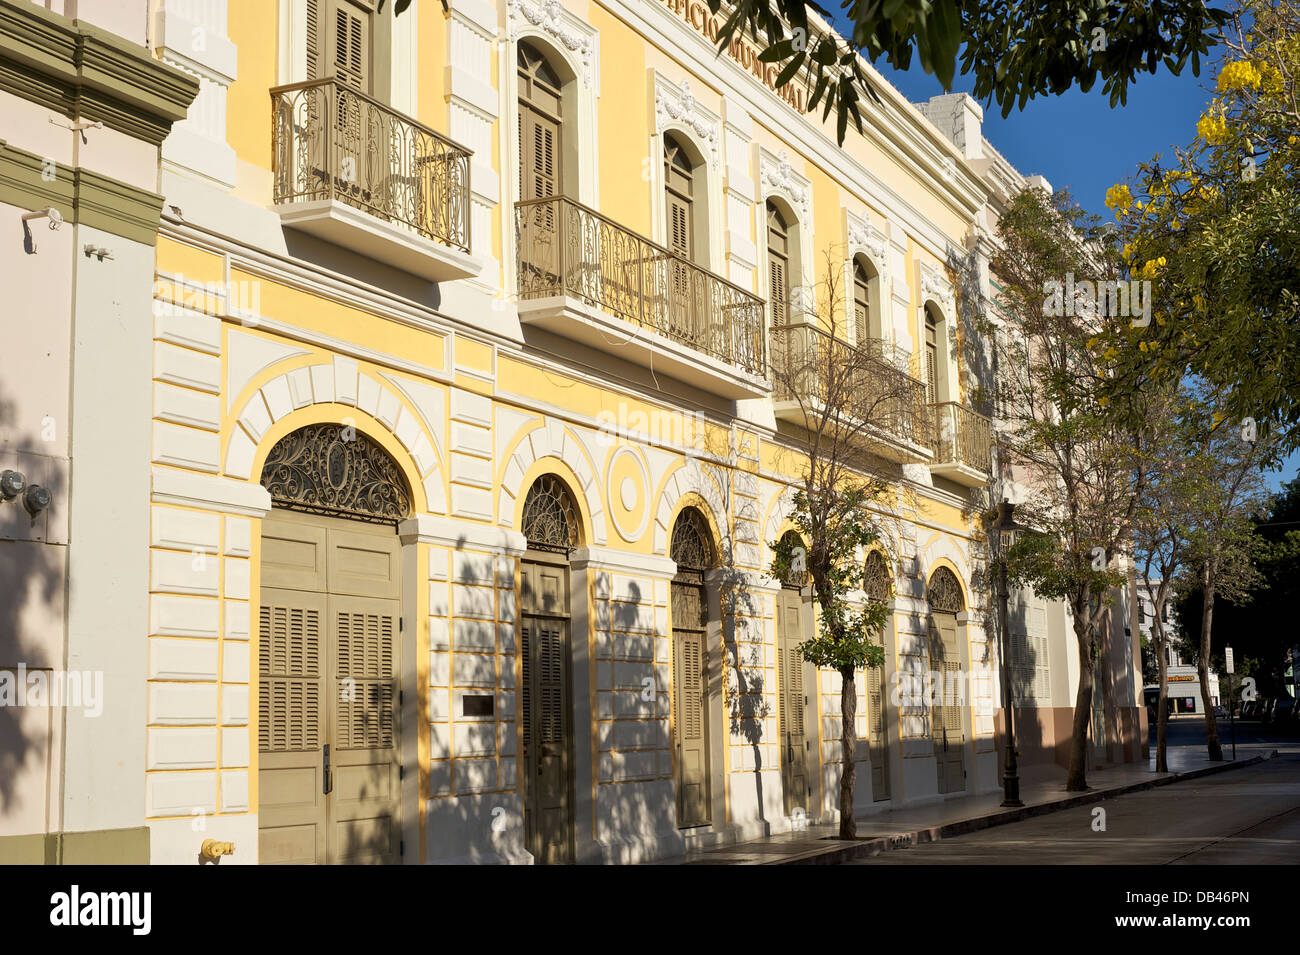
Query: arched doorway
791, 684
877, 582
329, 654
945, 598
550, 524
693, 552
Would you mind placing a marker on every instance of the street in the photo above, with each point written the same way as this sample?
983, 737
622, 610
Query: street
1245, 816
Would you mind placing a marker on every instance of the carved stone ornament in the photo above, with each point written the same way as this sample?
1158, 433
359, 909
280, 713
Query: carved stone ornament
781, 175
331, 469
551, 18
679, 106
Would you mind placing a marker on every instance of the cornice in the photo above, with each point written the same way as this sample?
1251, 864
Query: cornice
83, 196
83, 71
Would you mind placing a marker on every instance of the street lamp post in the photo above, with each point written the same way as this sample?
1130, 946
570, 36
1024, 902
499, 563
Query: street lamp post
1005, 528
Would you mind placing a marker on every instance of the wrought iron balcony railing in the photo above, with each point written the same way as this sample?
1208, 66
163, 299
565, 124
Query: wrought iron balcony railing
333, 142
868, 387
566, 248
961, 437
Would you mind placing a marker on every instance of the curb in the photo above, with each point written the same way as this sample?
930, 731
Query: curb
843, 852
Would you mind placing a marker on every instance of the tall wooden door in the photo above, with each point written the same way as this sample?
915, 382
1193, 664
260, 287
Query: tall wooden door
877, 747
685, 311
793, 700
547, 705
328, 695
690, 699
945, 720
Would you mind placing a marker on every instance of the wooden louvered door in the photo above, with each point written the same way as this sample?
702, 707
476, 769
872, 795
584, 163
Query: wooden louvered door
931, 359
547, 703
365, 613
339, 45
877, 747
778, 266
685, 312
691, 699
945, 716
540, 150
328, 652
794, 701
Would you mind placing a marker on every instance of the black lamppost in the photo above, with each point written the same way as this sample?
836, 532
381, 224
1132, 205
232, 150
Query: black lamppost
1005, 530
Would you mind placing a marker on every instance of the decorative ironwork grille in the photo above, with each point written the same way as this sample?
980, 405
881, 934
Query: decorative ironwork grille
797, 576
566, 248
810, 363
690, 546
961, 436
550, 522
876, 580
328, 469
944, 592
330, 141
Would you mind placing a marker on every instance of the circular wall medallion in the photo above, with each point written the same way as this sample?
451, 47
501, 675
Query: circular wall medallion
628, 489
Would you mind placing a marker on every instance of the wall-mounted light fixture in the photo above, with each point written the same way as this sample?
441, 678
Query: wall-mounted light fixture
12, 484
56, 220
80, 126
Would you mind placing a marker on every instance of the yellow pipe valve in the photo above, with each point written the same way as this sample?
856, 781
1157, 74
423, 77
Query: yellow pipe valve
212, 849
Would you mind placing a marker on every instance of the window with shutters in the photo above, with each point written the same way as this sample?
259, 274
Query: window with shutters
340, 42
861, 301
931, 356
679, 185
778, 264
540, 125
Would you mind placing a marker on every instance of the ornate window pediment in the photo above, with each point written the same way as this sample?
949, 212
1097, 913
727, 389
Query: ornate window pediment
329, 469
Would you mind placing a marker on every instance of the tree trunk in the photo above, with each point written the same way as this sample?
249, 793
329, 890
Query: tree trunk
1162, 704
1203, 663
1077, 778
848, 743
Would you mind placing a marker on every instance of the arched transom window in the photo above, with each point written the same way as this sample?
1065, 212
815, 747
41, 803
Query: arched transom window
550, 521
944, 592
877, 582
330, 469
691, 547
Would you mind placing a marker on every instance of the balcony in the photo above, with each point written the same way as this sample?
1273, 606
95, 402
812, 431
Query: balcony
354, 172
582, 276
962, 441
815, 373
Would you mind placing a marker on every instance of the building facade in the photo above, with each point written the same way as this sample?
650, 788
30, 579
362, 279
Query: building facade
428, 448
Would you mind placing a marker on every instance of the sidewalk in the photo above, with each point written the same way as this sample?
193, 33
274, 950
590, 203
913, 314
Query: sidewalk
1042, 790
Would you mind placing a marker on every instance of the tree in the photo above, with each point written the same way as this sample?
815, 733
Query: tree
1075, 450
1014, 51
1227, 488
1216, 227
1261, 622
852, 402
1161, 527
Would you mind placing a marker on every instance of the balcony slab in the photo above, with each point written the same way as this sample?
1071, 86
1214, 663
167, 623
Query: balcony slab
573, 318
368, 235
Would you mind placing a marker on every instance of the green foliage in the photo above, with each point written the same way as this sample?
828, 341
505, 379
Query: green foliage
1014, 51
1214, 227
836, 528
1259, 624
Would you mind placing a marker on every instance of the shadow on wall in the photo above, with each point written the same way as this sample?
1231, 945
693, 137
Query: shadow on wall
32, 591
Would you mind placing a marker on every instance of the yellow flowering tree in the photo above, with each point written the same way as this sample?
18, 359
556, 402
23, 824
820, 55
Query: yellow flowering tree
1216, 232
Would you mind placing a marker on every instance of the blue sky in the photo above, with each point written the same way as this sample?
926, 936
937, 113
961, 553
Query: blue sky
1078, 141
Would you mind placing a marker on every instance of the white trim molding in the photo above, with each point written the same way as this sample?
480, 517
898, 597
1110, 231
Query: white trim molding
578, 37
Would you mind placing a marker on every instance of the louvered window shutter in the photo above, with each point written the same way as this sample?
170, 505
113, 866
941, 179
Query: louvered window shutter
679, 225
313, 39
780, 293
351, 46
